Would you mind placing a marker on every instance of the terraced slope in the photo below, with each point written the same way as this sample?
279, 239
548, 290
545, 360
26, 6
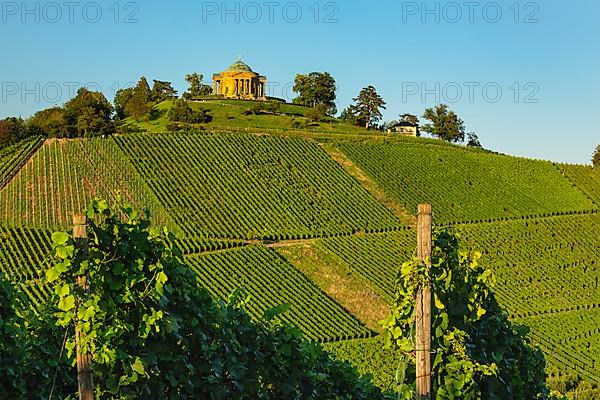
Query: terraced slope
586, 178
12, 157
548, 269
271, 281
466, 185
64, 176
221, 192
544, 265
23, 255
246, 186
375, 258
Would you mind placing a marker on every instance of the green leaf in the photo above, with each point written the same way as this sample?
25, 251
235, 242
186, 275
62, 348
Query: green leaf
52, 274
438, 303
60, 238
67, 303
138, 366
275, 311
65, 251
161, 279
64, 290
480, 311
88, 313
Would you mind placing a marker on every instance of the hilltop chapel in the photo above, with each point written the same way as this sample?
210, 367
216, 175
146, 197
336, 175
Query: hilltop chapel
240, 82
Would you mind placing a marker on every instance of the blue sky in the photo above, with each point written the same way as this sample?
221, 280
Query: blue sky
523, 75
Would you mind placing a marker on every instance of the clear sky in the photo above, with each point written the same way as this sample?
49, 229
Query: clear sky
523, 75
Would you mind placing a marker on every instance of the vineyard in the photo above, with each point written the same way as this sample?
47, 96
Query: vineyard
547, 268
466, 185
375, 257
586, 178
230, 197
544, 265
23, 253
251, 187
370, 357
64, 176
11, 157
270, 281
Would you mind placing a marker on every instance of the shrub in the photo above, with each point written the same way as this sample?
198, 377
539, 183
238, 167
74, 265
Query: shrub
182, 112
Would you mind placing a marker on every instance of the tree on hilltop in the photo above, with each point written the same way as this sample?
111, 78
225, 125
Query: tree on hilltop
134, 102
88, 113
49, 122
162, 90
445, 124
473, 140
12, 130
314, 89
368, 106
409, 118
197, 88
122, 97
596, 157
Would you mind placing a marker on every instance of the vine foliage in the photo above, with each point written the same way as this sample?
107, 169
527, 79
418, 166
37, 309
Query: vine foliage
476, 351
154, 333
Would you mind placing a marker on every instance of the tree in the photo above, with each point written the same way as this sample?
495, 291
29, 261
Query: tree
197, 88
122, 97
12, 130
314, 89
134, 102
316, 114
596, 157
154, 333
182, 112
479, 352
161, 91
445, 124
88, 113
473, 140
349, 114
49, 122
410, 118
368, 107
142, 88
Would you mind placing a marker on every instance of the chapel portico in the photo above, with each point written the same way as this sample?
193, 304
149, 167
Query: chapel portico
240, 82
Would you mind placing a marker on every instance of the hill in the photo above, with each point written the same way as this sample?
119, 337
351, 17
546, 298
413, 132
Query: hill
322, 222
245, 114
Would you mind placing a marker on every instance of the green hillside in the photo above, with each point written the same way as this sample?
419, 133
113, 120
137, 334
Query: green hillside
586, 178
11, 157
237, 115
466, 185
253, 187
64, 176
271, 281
315, 220
23, 252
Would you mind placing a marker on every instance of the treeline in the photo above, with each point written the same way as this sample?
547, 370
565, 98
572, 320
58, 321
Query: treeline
90, 113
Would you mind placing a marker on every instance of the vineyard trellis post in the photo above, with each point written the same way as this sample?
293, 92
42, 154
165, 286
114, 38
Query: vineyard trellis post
423, 306
85, 378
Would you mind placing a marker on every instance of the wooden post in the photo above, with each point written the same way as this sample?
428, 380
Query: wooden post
423, 305
85, 378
